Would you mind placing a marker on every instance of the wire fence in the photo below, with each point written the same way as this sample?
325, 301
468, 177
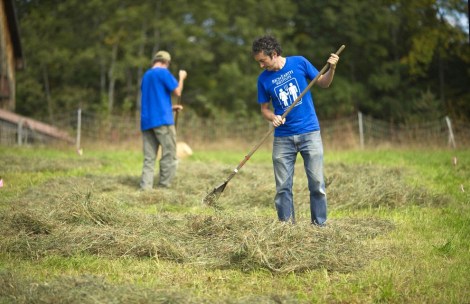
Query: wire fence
358, 131
13, 133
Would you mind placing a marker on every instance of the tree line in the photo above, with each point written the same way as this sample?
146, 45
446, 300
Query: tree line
405, 60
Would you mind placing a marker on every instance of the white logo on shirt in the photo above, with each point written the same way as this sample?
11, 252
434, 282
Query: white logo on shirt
287, 92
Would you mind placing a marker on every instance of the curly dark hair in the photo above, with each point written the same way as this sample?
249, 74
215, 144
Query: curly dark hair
266, 44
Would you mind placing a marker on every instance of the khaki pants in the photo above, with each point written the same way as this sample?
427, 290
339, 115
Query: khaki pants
164, 136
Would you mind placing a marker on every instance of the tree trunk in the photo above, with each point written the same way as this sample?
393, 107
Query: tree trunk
140, 71
441, 81
112, 79
47, 91
156, 46
102, 79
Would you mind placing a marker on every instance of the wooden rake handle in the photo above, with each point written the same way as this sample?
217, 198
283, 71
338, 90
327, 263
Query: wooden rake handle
177, 113
310, 85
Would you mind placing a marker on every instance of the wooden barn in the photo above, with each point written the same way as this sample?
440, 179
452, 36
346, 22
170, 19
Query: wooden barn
14, 128
11, 54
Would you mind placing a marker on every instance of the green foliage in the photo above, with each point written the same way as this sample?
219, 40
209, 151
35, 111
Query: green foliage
93, 54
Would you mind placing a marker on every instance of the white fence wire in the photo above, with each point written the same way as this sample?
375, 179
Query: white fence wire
358, 131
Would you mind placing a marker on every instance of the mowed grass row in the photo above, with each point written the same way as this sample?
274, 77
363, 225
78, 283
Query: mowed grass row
76, 229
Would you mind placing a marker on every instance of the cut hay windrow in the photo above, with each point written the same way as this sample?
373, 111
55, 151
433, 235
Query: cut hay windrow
371, 186
88, 289
82, 290
213, 241
93, 215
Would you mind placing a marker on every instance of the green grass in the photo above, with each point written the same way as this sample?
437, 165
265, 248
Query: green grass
77, 230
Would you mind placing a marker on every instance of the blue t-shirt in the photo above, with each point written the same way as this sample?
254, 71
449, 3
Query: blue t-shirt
156, 107
282, 88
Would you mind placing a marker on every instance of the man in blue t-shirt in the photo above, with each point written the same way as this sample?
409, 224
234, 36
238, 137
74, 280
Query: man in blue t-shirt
281, 82
156, 119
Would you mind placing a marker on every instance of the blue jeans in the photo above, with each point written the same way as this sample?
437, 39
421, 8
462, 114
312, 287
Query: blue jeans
285, 150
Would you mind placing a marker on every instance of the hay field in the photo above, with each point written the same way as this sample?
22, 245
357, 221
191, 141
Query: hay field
76, 229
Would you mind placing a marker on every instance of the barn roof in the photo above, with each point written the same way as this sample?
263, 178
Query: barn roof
35, 125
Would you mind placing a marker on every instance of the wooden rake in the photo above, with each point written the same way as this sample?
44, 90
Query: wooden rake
211, 198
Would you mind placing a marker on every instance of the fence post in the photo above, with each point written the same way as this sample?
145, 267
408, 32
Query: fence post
451, 133
361, 130
20, 132
79, 128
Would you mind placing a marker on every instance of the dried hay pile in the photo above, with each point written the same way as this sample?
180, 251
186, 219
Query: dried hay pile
80, 290
102, 216
371, 186
79, 224
349, 187
92, 289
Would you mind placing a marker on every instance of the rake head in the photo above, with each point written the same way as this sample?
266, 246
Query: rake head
212, 197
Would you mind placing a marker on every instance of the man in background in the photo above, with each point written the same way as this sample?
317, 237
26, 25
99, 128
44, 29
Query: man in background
157, 122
